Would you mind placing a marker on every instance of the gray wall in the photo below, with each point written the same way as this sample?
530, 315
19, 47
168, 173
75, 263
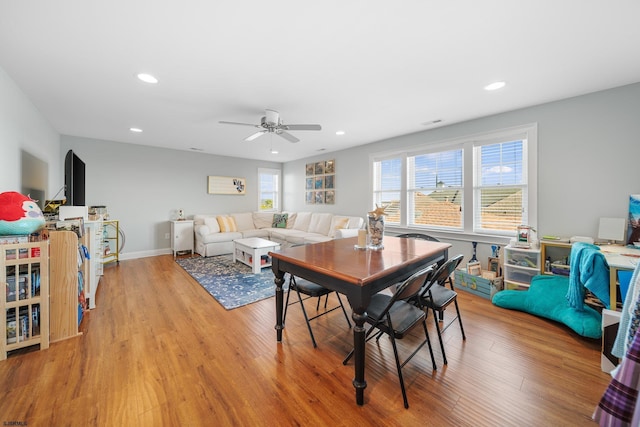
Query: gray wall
143, 187
588, 162
24, 130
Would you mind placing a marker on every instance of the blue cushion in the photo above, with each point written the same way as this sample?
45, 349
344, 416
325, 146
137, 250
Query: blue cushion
546, 298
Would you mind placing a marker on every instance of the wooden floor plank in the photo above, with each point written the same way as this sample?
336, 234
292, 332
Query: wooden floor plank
159, 350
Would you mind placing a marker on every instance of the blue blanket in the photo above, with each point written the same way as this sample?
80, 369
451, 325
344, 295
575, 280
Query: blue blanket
589, 269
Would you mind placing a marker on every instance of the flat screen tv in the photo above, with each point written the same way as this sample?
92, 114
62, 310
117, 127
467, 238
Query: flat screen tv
74, 170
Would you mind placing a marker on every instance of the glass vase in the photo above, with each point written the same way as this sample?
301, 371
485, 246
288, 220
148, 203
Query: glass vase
376, 231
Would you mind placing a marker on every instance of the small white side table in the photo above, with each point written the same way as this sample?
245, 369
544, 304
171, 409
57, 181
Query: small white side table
181, 236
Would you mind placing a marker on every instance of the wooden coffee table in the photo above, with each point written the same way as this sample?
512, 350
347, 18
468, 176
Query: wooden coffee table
254, 252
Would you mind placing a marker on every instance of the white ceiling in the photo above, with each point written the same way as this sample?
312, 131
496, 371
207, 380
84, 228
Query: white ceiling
375, 69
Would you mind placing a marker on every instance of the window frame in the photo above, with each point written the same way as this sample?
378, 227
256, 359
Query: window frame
468, 144
277, 199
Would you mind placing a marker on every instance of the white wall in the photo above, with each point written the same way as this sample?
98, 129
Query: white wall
588, 162
23, 128
143, 187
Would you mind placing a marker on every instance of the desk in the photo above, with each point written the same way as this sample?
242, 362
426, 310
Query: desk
618, 258
358, 274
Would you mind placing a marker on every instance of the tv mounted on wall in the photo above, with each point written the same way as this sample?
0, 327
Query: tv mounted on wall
74, 171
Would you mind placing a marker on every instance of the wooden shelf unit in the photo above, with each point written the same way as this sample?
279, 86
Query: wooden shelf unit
66, 301
24, 273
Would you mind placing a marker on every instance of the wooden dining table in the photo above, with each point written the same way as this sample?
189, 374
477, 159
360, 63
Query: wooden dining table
359, 274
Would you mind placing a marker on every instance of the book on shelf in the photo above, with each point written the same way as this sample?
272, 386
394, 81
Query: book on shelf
14, 239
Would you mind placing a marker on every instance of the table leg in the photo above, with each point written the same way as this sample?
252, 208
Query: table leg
279, 281
358, 352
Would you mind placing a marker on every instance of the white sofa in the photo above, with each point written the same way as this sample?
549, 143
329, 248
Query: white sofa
301, 227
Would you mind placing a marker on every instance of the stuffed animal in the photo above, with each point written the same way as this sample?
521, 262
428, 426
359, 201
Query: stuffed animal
19, 214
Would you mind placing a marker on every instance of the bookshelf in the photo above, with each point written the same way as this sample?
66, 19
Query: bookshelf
24, 312
66, 300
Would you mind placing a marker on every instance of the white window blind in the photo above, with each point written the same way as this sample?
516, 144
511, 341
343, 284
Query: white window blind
500, 186
435, 189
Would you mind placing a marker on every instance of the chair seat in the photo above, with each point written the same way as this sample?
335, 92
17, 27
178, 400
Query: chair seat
403, 316
311, 289
441, 296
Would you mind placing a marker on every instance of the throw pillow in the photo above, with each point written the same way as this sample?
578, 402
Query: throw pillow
213, 225
227, 223
338, 223
280, 220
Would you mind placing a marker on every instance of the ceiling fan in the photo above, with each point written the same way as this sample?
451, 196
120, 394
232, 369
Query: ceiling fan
272, 123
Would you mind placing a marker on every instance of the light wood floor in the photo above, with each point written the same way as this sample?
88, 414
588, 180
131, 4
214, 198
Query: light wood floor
159, 351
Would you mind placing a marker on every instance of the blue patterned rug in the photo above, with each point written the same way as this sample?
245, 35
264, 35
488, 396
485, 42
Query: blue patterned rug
231, 284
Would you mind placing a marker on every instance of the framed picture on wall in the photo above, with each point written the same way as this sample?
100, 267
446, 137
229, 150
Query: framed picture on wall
310, 197
329, 197
319, 198
329, 181
310, 168
319, 168
309, 184
319, 183
330, 166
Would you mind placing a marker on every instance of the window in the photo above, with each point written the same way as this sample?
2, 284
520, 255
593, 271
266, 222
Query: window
500, 186
484, 184
435, 189
387, 186
269, 185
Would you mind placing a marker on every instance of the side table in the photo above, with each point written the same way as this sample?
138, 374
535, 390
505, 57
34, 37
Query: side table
181, 236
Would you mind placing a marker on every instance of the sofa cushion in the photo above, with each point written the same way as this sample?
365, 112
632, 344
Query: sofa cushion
315, 238
244, 221
338, 223
355, 222
302, 221
280, 220
221, 237
262, 219
292, 219
261, 232
212, 223
283, 234
320, 223
226, 223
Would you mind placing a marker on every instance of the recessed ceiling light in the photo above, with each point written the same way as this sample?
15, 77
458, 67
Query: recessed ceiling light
136, 130
274, 151
196, 149
340, 132
495, 86
147, 78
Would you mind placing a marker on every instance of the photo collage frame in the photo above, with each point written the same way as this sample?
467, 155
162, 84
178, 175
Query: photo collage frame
320, 183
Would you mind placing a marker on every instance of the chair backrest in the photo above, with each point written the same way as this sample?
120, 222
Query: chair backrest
418, 236
412, 286
443, 273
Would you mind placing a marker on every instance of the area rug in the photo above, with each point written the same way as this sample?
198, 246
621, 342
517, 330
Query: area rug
232, 284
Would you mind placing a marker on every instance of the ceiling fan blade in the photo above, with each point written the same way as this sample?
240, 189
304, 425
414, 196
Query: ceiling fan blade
287, 136
255, 135
301, 127
237, 123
